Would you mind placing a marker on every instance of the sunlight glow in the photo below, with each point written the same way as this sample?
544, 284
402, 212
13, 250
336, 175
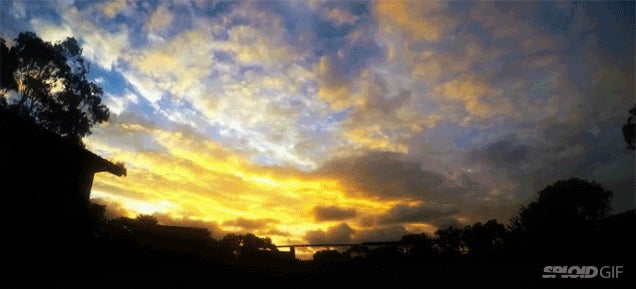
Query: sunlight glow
201, 180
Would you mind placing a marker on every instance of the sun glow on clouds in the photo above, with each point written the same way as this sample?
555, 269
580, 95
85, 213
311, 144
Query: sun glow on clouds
199, 178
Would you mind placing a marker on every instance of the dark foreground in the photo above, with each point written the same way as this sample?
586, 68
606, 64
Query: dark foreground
119, 263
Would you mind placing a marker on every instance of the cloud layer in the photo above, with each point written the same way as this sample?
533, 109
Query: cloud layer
347, 121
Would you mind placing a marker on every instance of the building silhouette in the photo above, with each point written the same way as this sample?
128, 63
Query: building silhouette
45, 185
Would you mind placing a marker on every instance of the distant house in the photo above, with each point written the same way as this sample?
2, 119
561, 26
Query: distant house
44, 177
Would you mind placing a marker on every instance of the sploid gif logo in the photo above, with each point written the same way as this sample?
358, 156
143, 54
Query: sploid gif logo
583, 272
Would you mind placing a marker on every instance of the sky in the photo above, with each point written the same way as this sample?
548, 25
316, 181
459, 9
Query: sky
341, 121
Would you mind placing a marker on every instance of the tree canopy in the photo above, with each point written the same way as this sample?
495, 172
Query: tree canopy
247, 242
567, 203
147, 220
47, 83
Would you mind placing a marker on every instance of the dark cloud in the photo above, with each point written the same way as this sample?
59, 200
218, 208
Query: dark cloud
341, 233
389, 174
418, 214
344, 234
501, 212
445, 222
588, 151
507, 151
382, 233
333, 213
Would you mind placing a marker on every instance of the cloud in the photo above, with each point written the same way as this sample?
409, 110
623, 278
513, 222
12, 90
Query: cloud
344, 234
160, 19
162, 67
112, 8
339, 234
507, 151
51, 32
303, 111
478, 97
389, 175
420, 196
100, 46
120, 103
333, 213
346, 51
340, 16
230, 62
504, 22
251, 224
421, 20
276, 232
381, 234
403, 213
334, 87
385, 116
206, 181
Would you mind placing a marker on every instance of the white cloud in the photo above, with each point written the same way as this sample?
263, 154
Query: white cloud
98, 45
118, 104
51, 32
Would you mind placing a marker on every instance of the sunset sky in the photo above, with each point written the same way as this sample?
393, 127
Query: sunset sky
347, 121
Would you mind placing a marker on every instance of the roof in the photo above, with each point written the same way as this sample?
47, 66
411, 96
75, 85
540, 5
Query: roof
22, 131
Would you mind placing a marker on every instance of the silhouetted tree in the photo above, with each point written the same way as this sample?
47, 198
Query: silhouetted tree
386, 255
486, 238
574, 202
240, 244
629, 130
147, 220
358, 252
617, 238
449, 241
563, 219
418, 245
48, 84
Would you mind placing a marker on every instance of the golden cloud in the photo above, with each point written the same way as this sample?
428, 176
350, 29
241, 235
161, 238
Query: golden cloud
421, 20
112, 8
161, 19
478, 97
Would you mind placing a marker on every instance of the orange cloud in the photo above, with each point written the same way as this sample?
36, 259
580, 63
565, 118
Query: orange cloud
477, 96
421, 20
